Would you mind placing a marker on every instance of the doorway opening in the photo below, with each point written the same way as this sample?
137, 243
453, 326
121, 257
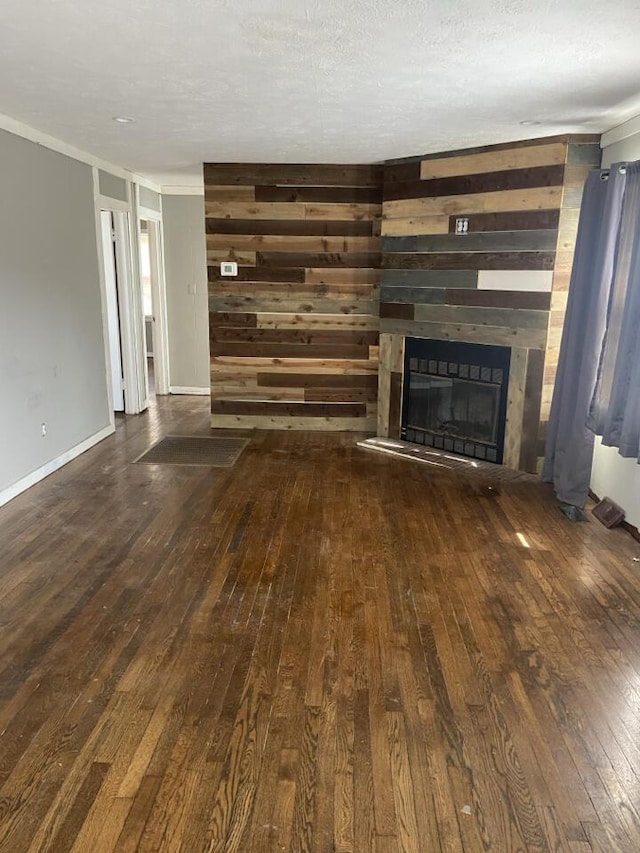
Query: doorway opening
147, 305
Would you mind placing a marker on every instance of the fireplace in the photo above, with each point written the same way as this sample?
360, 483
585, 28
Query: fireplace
455, 397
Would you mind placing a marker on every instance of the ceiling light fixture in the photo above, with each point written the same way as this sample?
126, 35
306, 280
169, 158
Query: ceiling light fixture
530, 123
123, 119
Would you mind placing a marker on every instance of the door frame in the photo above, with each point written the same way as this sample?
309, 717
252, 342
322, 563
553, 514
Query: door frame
129, 299
158, 293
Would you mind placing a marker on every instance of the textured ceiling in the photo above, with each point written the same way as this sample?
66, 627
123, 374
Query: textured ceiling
312, 80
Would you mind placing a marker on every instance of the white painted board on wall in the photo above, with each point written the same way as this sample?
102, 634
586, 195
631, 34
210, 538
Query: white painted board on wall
539, 281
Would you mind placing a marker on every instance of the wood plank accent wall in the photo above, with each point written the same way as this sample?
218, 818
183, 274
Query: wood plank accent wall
504, 282
294, 337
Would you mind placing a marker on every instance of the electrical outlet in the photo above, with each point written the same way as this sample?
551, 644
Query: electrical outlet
43, 429
462, 225
229, 268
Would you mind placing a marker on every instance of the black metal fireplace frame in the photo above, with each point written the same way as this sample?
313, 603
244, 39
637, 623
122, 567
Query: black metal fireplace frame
482, 363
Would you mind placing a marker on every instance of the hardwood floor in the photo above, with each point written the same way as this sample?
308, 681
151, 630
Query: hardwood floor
321, 649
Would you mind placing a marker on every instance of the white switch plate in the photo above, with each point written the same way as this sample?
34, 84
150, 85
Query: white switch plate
228, 268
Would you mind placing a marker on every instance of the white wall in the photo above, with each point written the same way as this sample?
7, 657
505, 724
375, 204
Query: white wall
187, 298
52, 356
613, 476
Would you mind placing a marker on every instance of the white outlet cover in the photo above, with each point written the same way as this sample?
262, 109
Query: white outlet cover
228, 268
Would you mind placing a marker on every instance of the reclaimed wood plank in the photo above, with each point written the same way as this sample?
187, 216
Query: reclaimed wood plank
510, 220
500, 241
300, 227
266, 174
290, 211
471, 261
512, 318
464, 184
416, 225
282, 260
323, 194
491, 202
551, 154
498, 299
240, 243
430, 278
496, 335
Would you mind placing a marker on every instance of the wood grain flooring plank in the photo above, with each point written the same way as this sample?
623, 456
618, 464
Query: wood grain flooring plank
321, 648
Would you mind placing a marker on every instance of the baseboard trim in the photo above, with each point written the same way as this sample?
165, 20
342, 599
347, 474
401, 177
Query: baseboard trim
199, 390
34, 477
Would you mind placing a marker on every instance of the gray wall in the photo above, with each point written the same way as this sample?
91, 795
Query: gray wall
52, 363
187, 300
613, 476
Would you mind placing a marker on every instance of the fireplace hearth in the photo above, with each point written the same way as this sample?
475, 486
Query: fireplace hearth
455, 397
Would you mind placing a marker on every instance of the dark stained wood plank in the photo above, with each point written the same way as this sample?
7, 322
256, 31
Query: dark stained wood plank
470, 261
341, 395
527, 220
296, 227
289, 409
225, 319
328, 195
397, 310
259, 174
320, 381
402, 171
395, 405
500, 241
249, 349
512, 179
285, 260
339, 337
499, 299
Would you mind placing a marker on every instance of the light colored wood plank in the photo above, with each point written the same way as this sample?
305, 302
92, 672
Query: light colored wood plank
384, 385
244, 259
415, 225
350, 367
366, 322
534, 281
490, 202
367, 424
497, 335
291, 243
515, 407
217, 193
290, 210
552, 154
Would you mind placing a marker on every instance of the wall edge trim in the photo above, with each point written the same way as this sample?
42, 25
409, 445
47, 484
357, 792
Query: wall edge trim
50, 467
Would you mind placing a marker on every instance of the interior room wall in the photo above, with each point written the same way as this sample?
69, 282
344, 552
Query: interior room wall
186, 284
52, 355
613, 476
503, 282
294, 337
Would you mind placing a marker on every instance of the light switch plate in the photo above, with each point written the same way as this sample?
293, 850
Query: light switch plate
228, 268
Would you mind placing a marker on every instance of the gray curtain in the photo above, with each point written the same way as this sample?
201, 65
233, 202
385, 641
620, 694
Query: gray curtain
569, 447
615, 408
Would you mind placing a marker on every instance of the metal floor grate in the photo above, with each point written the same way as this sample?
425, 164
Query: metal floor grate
215, 451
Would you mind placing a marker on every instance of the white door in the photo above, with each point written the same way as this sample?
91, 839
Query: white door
113, 312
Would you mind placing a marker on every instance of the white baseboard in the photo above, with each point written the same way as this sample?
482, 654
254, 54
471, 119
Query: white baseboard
200, 390
34, 477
